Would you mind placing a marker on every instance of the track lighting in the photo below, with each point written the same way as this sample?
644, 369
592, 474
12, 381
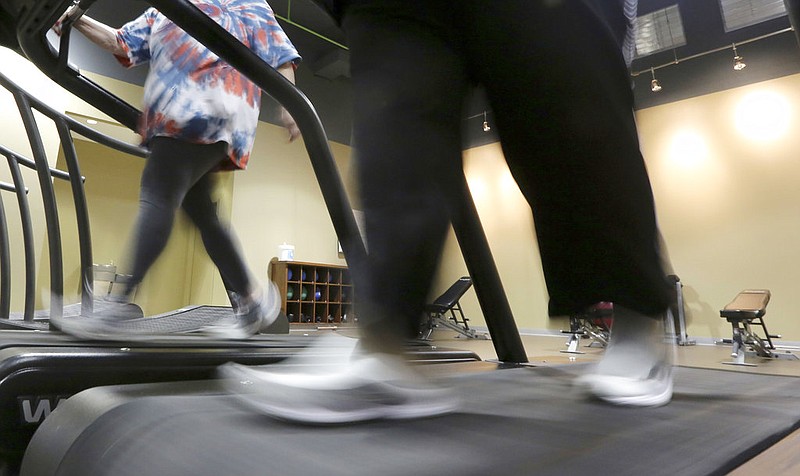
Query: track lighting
738, 61
655, 86
486, 127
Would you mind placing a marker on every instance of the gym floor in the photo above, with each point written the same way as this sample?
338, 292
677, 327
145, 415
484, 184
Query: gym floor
545, 350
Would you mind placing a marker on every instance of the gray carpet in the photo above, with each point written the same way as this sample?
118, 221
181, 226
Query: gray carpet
513, 422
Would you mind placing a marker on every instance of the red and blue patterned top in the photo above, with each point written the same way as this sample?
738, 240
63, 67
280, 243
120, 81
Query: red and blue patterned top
190, 93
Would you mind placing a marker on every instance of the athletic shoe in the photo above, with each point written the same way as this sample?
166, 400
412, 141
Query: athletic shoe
249, 318
636, 369
365, 387
107, 322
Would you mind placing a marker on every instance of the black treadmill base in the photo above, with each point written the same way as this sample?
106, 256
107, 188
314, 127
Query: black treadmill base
513, 422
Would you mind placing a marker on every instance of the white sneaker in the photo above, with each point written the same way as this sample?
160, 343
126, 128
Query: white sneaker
636, 369
111, 320
364, 387
249, 318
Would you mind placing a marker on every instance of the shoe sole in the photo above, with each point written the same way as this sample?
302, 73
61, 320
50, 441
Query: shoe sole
608, 389
89, 331
316, 417
240, 385
233, 333
269, 323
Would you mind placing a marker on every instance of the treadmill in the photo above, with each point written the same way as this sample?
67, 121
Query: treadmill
41, 367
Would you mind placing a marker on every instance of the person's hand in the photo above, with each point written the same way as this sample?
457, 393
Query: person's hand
58, 27
290, 125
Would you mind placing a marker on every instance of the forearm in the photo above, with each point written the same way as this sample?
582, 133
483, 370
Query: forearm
100, 34
287, 70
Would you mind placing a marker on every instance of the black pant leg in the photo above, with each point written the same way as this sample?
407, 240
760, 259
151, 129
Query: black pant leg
172, 169
560, 92
409, 87
219, 241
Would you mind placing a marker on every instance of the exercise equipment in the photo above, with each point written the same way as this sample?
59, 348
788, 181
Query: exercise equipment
748, 309
46, 367
39, 370
446, 312
24, 27
594, 323
511, 422
678, 311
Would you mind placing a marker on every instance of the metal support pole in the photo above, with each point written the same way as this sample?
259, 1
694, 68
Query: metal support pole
482, 269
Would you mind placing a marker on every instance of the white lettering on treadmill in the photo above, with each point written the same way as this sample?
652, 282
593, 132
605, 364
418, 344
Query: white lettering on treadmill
36, 409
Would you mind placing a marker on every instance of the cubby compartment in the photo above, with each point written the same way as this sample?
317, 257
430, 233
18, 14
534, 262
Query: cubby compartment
314, 293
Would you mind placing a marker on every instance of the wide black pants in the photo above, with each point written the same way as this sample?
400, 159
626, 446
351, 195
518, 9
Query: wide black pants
560, 94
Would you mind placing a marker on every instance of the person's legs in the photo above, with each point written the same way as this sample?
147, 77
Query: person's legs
218, 241
560, 93
255, 307
561, 96
410, 87
407, 125
172, 169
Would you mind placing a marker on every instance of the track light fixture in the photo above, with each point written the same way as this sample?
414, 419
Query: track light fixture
486, 127
655, 86
738, 61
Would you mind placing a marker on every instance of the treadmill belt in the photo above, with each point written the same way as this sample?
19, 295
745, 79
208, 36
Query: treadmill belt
516, 421
186, 319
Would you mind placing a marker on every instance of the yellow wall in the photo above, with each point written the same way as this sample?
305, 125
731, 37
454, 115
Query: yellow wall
112, 190
508, 224
725, 175
727, 199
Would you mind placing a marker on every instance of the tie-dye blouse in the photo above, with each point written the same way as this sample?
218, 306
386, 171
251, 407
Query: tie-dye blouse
190, 93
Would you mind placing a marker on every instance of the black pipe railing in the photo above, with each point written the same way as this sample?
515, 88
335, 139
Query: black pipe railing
486, 279
5, 255
35, 19
65, 126
39, 16
14, 160
48, 203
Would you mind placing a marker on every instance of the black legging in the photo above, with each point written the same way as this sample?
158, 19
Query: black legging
177, 174
560, 94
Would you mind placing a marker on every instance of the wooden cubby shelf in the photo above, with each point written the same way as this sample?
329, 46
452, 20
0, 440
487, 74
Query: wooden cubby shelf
314, 293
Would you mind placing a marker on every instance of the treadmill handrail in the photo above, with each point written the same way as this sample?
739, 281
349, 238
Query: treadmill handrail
32, 28
65, 125
73, 124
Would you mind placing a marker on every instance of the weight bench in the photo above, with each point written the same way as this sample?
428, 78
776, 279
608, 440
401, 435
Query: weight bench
748, 309
594, 323
446, 311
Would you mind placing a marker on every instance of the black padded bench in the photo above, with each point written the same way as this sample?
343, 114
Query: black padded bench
594, 323
748, 309
446, 311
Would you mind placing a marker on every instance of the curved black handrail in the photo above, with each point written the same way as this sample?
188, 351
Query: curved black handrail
65, 126
33, 23
5, 255
14, 160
